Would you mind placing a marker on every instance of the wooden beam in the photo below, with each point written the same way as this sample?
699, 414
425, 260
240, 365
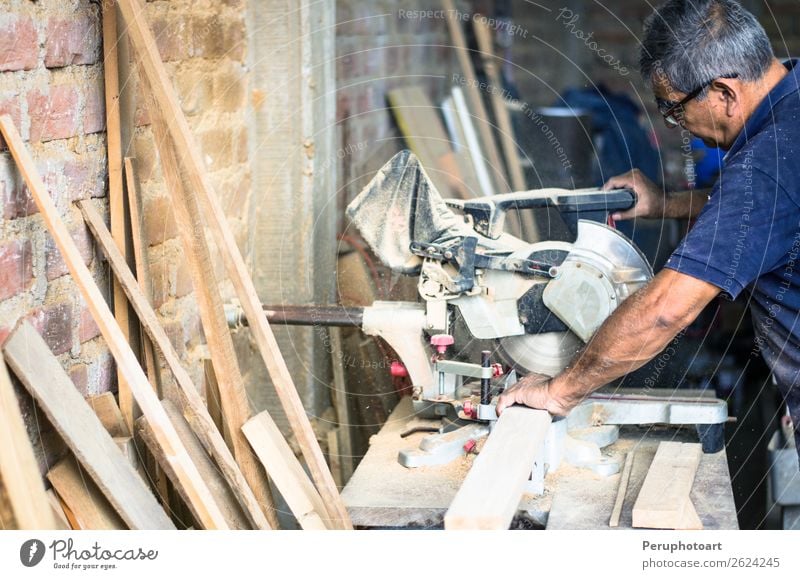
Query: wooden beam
664, 501
475, 99
41, 373
59, 513
490, 494
142, 270
222, 493
624, 478
235, 405
145, 47
344, 438
213, 402
287, 474
84, 505
18, 469
107, 411
124, 356
116, 193
192, 403
484, 37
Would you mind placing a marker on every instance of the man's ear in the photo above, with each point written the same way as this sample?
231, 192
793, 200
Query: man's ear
728, 92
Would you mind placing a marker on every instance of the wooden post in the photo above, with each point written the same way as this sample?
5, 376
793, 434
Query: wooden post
189, 155
120, 349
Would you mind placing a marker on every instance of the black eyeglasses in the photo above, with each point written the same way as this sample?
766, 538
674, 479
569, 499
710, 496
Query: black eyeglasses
673, 112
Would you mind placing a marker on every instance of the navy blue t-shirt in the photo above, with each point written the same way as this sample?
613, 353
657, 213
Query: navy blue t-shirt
748, 234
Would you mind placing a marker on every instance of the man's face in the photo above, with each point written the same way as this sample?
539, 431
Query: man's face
706, 119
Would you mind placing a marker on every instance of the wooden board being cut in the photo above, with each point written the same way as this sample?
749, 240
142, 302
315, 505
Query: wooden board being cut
42, 374
494, 486
664, 501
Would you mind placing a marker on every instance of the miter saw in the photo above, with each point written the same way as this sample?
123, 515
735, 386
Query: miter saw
494, 307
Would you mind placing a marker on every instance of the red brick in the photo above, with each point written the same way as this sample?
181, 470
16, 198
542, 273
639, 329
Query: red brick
94, 112
85, 177
54, 263
54, 324
19, 43
159, 220
174, 331
9, 105
172, 35
53, 115
87, 330
105, 376
79, 374
74, 40
16, 268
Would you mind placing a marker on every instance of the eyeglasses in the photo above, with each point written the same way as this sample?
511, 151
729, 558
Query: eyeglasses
673, 111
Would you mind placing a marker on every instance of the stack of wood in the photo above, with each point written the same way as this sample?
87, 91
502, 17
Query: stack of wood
221, 471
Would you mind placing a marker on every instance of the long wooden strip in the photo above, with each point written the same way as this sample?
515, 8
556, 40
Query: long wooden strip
475, 98
664, 501
344, 437
18, 469
85, 506
193, 406
235, 405
222, 493
144, 45
484, 37
142, 269
124, 356
288, 475
116, 203
42, 374
491, 492
622, 490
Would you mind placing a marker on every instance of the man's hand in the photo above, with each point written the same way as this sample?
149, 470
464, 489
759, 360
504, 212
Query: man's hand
649, 198
532, 391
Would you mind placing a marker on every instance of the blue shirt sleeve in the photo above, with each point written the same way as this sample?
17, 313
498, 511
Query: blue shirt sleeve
743, 231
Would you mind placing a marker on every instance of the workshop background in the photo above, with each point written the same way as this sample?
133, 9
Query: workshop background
288, 100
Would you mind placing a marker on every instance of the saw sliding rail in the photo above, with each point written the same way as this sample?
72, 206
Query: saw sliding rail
308, 315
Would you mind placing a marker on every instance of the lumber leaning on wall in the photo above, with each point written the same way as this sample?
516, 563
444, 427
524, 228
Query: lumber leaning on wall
190, 479
193, 407
41, 373
144, 46
18, 469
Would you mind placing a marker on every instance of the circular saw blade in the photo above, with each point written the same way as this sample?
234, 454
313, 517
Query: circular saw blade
546, 354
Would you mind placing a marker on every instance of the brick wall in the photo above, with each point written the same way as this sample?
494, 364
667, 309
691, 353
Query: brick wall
51, 83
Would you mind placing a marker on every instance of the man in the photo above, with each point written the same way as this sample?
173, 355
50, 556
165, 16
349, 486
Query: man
712, 70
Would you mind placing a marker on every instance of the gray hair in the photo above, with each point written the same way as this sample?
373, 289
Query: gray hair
692, 42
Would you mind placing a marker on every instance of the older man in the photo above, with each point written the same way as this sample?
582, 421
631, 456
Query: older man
713, 72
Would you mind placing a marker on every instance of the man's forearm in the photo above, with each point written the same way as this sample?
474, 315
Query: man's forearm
635, 333
685, 204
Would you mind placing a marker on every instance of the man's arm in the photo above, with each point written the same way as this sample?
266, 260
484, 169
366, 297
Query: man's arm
634, 334
652, 204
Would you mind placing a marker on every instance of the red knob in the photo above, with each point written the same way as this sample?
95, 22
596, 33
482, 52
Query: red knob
398, 370
469, 446
497, 370
441, 341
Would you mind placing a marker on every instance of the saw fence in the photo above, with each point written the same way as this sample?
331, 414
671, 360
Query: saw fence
190, 469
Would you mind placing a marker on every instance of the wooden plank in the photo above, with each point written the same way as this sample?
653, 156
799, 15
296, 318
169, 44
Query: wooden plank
60, 515
664, 502
213, 402
18, 469
116, 203
192, 403
142, 270
484, 37
222, 493
334, 456
424, 133
105, 407
624, 478
124, 356
41, 373
492, 490
145, 47
234, 401
475, 99
88, 509
342, 406
287, 474
466, 144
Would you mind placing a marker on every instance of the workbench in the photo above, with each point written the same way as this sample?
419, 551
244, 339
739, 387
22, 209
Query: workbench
384, 494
